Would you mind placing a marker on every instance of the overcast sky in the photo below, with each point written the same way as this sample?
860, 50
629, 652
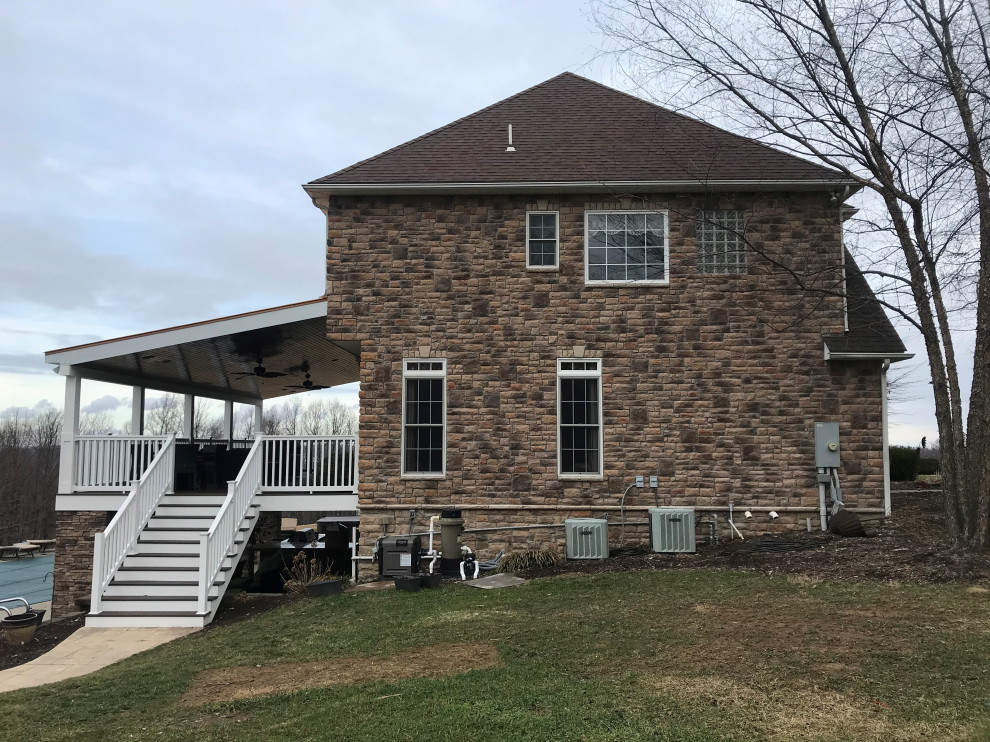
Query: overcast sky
151, 153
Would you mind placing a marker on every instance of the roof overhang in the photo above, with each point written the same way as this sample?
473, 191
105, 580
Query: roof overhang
216, 358
591, 186
854, 356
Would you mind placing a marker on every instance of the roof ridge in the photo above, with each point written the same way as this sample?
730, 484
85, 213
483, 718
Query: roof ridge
432, 132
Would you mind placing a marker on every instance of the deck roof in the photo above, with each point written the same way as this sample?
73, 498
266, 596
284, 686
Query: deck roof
217, 357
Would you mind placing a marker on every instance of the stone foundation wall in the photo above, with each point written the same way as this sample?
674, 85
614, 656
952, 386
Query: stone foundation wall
376, 523
74, 533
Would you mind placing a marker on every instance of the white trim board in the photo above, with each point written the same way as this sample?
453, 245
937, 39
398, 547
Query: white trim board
189, 333
111, 501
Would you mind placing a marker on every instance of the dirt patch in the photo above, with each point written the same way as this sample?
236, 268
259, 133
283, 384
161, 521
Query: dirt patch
797, 712
234, 683
909, 547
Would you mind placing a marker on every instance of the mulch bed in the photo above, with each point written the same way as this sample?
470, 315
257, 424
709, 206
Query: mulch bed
909, 547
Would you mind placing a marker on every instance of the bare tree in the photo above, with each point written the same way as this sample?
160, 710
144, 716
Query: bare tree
895, 96
97, 423
164, 415
328, 417
29, 456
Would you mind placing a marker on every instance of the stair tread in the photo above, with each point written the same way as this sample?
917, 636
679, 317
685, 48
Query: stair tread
136, 614
174, 528
186, 505
149, 583
165, 569
156, 555
174, 541
149, 598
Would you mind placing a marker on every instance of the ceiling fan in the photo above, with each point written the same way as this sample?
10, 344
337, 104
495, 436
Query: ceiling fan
261, 371
308, 384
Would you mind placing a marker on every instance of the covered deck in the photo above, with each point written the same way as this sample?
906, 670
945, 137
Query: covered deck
241, 359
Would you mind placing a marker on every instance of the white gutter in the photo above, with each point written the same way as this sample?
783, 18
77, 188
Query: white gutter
577, 186
883, 424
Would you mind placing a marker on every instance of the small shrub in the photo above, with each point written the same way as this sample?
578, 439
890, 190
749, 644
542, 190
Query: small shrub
305, 572
519, 561
904, 463
929, 466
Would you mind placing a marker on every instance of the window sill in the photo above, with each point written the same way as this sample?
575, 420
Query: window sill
627, 283
543, 268
425, 475
582, 477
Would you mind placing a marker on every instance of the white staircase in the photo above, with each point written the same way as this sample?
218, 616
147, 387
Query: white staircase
157, 584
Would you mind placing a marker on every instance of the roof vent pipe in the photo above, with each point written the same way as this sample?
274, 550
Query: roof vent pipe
510, 148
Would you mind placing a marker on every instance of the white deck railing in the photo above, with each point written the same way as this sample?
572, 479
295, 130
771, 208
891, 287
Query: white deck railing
309, 463
215, 544
108, 463
112, 545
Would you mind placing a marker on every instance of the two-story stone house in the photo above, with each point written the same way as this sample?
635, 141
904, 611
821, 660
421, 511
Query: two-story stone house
541, 301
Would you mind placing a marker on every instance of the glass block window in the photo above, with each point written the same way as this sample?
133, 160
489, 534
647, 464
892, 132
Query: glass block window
579, 417
721, 241
626, 247
542, 239
424, 417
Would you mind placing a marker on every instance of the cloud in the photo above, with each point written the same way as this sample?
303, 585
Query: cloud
106, 403
23, 363
154, 403
28, 413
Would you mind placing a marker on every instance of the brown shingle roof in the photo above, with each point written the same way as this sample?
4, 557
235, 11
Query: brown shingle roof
870, 330
569, 130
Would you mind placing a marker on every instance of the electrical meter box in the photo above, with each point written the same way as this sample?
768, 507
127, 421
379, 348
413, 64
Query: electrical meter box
827, 445
399, 555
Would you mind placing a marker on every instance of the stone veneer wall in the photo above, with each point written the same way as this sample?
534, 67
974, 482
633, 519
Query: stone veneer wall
712, 382
73, 578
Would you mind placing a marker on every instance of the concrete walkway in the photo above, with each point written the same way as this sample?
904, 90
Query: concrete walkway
85, 651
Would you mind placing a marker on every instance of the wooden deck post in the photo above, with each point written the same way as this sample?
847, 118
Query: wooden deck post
70, 429
259, 418
188, 415
228, 422
137, 410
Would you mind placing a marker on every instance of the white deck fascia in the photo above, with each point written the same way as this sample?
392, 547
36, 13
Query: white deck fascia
188, 333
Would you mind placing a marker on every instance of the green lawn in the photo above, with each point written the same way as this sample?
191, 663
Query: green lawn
678, 655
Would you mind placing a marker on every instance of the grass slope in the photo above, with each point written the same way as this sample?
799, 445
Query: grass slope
681, 655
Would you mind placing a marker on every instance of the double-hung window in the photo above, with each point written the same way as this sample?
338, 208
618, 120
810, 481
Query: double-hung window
424, 417
721, 241
626, 247
579, 417
542, 239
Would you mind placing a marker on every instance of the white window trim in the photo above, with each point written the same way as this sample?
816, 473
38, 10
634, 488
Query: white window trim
666, 252
582, 374
556, 262
440, 373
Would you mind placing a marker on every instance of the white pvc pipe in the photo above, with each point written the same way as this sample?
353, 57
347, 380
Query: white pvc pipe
821, 503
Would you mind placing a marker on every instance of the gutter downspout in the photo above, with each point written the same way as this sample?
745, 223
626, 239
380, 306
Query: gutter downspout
883, 423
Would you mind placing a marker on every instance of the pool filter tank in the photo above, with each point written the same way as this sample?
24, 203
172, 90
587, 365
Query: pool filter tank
451, 525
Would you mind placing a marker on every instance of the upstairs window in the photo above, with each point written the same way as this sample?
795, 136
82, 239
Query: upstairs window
721, 241
424, 417
579, 417
542, 239
626, 247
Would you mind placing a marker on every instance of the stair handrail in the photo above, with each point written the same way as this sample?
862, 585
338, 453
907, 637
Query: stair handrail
215, 544
112, 545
